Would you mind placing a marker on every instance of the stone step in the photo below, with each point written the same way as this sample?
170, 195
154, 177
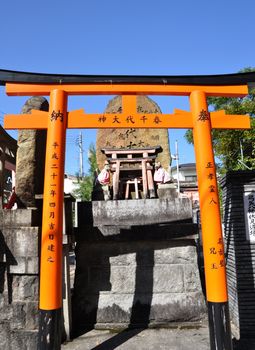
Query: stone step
22, 241
20, 217
20, 247
141, 211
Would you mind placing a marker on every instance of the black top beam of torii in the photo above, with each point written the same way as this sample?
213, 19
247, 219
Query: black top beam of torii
9, 76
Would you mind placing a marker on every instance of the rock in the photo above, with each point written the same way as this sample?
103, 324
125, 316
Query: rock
165, 191
134, 138
31, 157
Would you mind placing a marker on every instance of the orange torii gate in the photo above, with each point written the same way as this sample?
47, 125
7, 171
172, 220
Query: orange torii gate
58, 119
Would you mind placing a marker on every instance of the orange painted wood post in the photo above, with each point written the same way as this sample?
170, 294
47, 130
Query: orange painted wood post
52, 225
213, 246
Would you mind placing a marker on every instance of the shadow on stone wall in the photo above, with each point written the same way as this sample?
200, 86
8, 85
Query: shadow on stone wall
100, 281
116, 285
140, 312
6, 259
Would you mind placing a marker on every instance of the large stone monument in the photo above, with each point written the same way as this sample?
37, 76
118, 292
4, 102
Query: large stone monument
133, 138
31, 157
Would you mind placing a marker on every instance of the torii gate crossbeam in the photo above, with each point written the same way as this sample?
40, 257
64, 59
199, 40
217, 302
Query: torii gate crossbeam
199, 119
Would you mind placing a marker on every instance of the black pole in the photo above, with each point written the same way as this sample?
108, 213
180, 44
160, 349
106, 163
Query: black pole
219, 326
49, 329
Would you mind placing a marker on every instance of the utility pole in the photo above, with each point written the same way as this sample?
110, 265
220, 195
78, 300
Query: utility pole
177, 166
242, 158
241, 149
80, 145
176, 157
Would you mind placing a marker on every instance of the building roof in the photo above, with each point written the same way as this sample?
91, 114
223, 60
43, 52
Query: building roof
7, 139
186, 166
8, 145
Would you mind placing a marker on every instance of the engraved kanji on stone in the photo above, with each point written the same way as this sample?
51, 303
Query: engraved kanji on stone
131, 132
131, 145
141, 144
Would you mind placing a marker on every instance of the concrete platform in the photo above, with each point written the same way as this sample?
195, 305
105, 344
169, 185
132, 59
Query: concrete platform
179, 338
141, 211
149, 339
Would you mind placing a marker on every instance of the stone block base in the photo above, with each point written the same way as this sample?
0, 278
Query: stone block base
136, 283
19, 279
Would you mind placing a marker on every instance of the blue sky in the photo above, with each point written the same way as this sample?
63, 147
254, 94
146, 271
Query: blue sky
160, 37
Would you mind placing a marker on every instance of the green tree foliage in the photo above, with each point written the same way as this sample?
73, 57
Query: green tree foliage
234, 148
85, 185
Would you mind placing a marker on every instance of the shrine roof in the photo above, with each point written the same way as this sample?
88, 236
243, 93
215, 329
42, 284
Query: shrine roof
9, 76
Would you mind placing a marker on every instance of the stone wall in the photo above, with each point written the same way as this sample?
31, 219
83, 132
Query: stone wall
136, 276
18, 279
240, 253
133, 276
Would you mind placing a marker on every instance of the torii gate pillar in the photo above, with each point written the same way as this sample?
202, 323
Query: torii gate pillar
50, 303
213, 247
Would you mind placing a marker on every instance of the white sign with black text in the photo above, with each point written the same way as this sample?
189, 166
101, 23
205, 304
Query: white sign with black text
249, 211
